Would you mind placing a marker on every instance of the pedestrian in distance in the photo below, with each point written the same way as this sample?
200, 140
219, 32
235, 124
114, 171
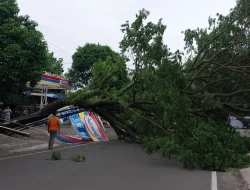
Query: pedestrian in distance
25, 111
7, 112
53, 129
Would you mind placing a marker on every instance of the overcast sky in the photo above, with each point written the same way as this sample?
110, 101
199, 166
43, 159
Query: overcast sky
68, 24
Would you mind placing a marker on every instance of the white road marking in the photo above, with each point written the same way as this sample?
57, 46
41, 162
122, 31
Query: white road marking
30, 154
214, 185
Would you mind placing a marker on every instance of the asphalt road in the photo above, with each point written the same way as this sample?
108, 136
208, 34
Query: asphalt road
113, 165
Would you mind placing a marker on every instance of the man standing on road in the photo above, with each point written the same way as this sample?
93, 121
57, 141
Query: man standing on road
53, 128
7, 113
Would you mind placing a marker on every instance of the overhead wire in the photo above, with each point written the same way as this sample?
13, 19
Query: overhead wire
61, 52
64, 53
59, 48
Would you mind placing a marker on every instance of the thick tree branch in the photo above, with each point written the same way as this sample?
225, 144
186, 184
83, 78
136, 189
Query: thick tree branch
126, 88
237, 108
232, 93
218, 69
209, 84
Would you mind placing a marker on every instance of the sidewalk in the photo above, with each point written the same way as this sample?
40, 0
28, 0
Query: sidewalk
18, 144
245, 172
246, 175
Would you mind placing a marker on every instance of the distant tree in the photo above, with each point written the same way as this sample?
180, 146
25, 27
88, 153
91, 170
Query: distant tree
54, 65
84, 58
110, 75
23, 51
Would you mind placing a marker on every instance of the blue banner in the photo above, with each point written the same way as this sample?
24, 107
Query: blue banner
78, 124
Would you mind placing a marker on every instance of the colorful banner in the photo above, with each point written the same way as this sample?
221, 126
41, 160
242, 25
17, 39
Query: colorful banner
78, 124
63, 120
104, 137
100, 122
92, 136
71, 140
85, 125
56, 81
93, 126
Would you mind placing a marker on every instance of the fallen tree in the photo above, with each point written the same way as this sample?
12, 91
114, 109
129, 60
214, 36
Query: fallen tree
179, 109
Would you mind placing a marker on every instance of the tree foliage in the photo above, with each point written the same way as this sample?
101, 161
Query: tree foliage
84, 58
23, 51
219, 72
111, 70
54, 65
179, 108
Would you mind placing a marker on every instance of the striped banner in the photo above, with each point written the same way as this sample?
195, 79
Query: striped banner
93, 127
93, 137
71, 140
56, 81
79, 126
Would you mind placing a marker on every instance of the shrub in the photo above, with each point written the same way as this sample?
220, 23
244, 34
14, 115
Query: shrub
56, 156
78, 158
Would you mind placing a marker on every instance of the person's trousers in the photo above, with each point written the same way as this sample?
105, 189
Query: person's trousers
7, 118
52, 136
